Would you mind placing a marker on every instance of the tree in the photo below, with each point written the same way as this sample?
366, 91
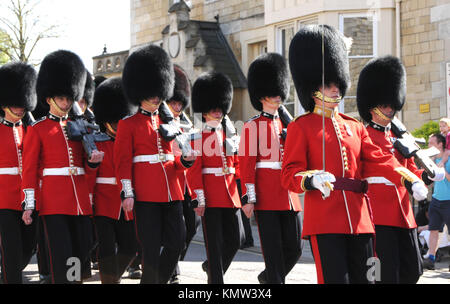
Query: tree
426, 130
23, 29
4, 48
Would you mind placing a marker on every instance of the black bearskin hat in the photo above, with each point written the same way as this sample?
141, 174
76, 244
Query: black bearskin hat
212, 90
110, 104
382, 82
305, 61
182, 90
62, 73
98, 80
89, 89
18, 86
268, 76
148, 73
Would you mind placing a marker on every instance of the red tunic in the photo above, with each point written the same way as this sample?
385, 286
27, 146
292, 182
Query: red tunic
220, 190
106, 191
138, 140
261, 147
350, 153
46, 146
390, 204
11, 165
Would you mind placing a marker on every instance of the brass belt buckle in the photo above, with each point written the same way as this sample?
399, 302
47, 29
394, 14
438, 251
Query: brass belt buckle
73, 171
226, 170
162, 157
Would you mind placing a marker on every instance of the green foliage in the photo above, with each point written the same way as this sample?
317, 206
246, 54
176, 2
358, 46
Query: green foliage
426, 130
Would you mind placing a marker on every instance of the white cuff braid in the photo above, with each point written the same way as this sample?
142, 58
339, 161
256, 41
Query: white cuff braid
200, 198
29, 201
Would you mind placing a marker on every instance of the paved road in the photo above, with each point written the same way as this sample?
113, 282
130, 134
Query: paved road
247, 265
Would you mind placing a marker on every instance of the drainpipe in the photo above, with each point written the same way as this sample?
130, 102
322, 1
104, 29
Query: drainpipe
398, 38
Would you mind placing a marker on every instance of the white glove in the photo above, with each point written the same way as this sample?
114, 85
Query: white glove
439, 175
420, 191
322, 181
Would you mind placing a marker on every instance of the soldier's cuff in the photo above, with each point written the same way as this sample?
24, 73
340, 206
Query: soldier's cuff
127, 189
306, 176
250, 194
201, 202
29, 202
407, 175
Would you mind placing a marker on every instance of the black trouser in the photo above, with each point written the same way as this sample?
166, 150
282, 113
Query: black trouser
117, 247
69, 242
280, 235
17, 244
159, 224
222, 230
247, 228
192, 222
399, 254
42, 250
342, 258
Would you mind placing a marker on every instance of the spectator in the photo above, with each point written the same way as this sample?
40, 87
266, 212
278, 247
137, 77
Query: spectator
444, 127
439, 211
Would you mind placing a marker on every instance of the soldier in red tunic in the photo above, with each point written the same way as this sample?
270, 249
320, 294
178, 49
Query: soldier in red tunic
381, 93
112, 225
261, 153
17, 241
213, 176
327, 156
65, 207
177, 103
146, 166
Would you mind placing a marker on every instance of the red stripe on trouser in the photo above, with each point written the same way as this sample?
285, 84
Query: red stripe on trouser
5, 281
316, 253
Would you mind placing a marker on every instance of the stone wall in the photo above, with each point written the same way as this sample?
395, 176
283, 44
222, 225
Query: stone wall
149, 17
425, 40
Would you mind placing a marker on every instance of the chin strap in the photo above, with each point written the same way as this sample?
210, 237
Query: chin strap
380, 114
53, 103
320, 96
110, 129
18, 117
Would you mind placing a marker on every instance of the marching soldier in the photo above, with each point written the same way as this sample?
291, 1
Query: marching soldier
146, 166
64, 198
381, 93
113, 226
212, 178
177, 103
17, 241
261, 153
327, 154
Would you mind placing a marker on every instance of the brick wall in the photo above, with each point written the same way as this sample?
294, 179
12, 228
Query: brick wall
425, 40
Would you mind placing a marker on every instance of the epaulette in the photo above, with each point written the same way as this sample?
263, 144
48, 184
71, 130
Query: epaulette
301, 115
39, 120
254, 117
348, 117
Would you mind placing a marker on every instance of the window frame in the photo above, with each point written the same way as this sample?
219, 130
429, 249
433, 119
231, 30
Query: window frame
374, 17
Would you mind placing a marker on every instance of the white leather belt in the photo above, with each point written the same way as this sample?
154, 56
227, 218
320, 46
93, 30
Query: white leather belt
379, 180
106, 180
66, 171
268, 165
153, 159
9, 171
218, 171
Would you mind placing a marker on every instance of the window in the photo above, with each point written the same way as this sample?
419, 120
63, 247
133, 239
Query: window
362, 28
284, 36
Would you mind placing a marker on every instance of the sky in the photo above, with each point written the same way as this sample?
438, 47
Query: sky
85, 26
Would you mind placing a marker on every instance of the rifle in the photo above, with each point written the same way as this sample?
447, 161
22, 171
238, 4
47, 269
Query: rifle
408, 147
28, 119
171, 130
285, 118
80, 129
231, 137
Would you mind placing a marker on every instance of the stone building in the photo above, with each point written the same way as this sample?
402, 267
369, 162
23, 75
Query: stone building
227, 35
